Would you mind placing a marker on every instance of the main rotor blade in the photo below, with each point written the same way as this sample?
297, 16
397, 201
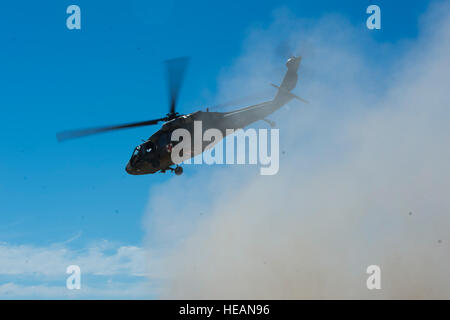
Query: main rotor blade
175, 69
72, 134
266, 94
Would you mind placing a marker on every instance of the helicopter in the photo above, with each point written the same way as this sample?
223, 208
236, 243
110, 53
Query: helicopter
154, 154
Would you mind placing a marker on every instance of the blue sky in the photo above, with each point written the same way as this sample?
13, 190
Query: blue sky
77, 193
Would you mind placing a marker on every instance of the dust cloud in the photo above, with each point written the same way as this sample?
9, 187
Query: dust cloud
364, 178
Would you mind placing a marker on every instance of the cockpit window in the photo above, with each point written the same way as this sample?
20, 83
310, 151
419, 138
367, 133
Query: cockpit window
134, 157
147, 147
136, 151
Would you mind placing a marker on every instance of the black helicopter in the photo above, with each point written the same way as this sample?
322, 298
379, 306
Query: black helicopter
154, 155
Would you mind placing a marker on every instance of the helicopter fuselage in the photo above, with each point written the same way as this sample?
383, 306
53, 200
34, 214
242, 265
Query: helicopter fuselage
155, 154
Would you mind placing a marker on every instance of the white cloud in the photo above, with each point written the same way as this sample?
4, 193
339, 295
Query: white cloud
106, 271
53, 260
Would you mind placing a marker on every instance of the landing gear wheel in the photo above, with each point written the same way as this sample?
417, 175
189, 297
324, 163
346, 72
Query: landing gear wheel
178, 171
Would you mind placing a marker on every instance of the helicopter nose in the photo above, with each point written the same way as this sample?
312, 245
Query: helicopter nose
129, 169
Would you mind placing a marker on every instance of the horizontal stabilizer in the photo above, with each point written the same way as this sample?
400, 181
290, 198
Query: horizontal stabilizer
284, 91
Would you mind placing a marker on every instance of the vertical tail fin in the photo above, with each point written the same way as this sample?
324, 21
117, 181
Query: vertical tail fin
284, 94
290, 79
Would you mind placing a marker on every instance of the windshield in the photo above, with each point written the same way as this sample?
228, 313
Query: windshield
147, 147
135, 154
141, 151
136, 151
